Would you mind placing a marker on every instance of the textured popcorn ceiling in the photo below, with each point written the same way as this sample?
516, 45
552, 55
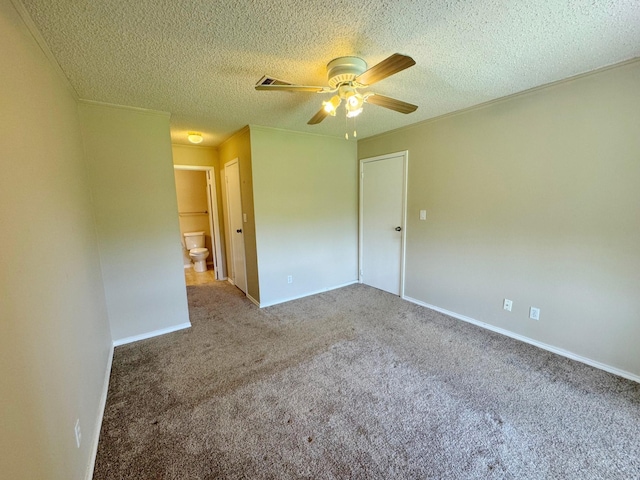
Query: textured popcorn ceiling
200, 59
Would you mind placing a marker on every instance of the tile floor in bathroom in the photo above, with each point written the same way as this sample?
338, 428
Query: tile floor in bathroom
199, 278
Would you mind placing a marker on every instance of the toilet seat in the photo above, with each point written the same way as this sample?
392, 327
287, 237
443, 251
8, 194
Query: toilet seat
198, 251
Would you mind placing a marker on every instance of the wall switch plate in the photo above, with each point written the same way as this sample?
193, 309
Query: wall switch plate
423, 214
507, 304
534, 313
78, 433
290, 279
244, 217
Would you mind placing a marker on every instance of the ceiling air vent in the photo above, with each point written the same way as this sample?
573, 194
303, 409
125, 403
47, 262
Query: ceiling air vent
271, 81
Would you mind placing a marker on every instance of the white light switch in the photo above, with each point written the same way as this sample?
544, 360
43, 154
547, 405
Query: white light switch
244, 217
423, 214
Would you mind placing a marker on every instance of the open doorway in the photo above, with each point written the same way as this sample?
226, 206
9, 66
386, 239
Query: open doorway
198, 212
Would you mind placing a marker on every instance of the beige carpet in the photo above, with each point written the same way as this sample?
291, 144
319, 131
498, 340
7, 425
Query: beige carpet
356, 383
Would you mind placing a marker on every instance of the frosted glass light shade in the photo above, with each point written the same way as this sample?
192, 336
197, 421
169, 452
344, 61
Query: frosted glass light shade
195, 137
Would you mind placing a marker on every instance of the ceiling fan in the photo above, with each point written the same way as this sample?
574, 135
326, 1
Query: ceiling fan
346, 76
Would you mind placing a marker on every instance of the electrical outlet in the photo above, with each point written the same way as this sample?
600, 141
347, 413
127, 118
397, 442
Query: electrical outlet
507, 304
78, 433
290, 279
534, 313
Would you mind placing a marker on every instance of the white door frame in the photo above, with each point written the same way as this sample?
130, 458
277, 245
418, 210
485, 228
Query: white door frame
230, 233
214, 220
403, 239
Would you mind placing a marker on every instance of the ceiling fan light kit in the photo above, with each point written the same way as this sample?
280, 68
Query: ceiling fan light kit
332, 105
345, 76
354, 104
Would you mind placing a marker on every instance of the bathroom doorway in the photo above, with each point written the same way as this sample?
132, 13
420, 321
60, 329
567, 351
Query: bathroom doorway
198, 211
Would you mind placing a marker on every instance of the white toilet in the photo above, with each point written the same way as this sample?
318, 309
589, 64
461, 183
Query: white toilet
194, 241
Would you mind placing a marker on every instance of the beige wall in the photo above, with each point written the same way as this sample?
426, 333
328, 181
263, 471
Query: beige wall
54, 334
536, 199
195, 156
306, 211
239, 146
131, 173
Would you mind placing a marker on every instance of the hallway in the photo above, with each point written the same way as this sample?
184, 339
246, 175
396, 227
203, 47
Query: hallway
199, 278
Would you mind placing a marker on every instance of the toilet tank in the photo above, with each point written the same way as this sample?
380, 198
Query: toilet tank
193, 240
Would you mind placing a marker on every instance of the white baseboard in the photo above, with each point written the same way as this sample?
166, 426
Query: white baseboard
98, 426
155, 333
308, 294
522, 338
253, 300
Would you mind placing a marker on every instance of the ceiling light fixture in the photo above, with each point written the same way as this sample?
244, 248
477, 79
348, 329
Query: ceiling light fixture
195, 137
354, 105
332, 105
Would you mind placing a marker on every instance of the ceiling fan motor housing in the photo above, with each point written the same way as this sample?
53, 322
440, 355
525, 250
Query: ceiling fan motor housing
344, 69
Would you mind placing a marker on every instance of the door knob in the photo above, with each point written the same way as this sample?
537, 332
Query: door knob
239, 230
398, 229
